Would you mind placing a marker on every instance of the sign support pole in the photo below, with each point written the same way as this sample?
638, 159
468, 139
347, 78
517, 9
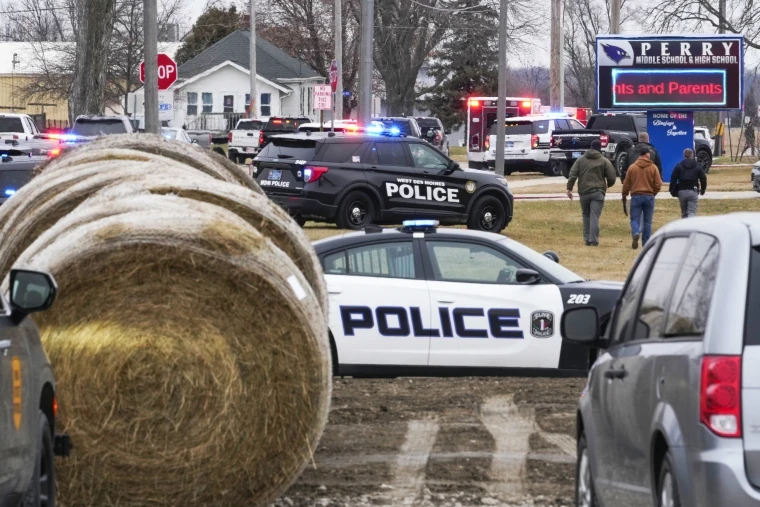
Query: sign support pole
254, 88
332, 121
150, 18
501, 101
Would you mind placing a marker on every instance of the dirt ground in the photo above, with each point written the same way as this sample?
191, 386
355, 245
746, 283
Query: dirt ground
456, 442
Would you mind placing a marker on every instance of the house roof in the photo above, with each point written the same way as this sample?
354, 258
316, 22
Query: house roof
272, 63
227, 63
34, 56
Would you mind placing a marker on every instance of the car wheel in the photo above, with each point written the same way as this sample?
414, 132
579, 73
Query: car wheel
667, 488
356, 211
300, 220
555, 168
585, 496
621, 162
704, 159
41, 492
488, 215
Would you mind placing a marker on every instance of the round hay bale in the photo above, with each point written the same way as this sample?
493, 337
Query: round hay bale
191, 356
189, 154
50, 196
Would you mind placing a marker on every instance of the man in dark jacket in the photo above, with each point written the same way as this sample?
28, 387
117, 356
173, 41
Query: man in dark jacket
633, 155
687, 183
595, 175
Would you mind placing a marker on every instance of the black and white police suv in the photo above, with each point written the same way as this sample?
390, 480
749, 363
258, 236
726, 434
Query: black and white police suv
355, 180
422, 300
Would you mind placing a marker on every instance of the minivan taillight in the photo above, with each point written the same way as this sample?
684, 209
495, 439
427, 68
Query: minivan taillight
604, 139
720, 407
487, 144
313, 173
534, 141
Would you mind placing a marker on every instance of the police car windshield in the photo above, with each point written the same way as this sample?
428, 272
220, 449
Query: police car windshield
296, 149
542, 262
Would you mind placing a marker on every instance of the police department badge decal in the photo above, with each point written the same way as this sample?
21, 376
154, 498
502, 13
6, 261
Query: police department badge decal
470, 186
542, 324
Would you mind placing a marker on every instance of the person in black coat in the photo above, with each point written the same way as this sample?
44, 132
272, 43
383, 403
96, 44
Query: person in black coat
688, 182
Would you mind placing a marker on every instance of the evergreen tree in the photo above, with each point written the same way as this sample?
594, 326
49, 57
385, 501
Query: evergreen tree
213, 25
466, 65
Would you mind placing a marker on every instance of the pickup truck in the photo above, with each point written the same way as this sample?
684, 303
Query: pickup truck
17, 127
28, 442
277, 126
617, 132
243, 142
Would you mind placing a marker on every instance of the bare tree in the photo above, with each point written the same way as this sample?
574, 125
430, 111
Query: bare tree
584, 19
742, 17
37, 20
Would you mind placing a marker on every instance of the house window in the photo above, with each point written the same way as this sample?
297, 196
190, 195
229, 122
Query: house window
192, 103
208, 102
229, 103
266, 104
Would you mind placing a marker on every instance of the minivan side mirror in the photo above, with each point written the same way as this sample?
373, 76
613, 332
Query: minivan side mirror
31, 291
581, 326
527, 276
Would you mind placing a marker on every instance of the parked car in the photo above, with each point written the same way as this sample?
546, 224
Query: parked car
401, 126
89, 127
277, 125
755, 177
17, 127
17, 165
243, 141
28, 440
177, 134
704, 133
432, 131
671, 412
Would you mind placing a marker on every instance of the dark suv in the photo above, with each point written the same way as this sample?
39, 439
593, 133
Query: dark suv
433, 132
356, 180
401, 126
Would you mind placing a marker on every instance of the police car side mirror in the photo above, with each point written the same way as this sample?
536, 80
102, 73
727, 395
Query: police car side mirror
527, 276
31, 291
581, 326
453, 166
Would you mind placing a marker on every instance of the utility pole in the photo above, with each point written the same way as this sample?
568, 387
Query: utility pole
339, 58
557, 85
254, 104
150, 19
722, 115
615, 16
501, 101
365, 68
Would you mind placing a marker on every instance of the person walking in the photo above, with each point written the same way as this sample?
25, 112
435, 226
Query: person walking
643, 182
633, 155
595, 174
687, 183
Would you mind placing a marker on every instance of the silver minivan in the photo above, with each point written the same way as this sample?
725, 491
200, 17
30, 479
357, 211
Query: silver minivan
671, 412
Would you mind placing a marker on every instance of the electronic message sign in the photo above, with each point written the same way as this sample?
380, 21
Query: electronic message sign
669, 73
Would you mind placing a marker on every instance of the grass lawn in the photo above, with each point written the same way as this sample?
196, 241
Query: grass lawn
719, 179
558, 226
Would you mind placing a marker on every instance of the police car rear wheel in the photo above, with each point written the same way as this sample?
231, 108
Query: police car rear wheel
356, 211
488, 215
554, 168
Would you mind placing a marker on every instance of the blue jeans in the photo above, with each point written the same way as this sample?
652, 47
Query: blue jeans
642, 210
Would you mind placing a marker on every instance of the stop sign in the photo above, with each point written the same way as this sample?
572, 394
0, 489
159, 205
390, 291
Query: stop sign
334, 75
167, 71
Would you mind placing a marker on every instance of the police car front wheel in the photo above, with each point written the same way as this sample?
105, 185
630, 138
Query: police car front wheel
488, 214
356, 211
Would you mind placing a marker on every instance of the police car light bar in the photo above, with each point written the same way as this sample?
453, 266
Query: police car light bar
9, 192
419, 225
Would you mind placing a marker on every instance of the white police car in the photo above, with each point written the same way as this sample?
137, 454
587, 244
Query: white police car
422, 300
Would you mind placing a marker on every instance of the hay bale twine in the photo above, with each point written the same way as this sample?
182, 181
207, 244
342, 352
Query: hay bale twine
40, 204
188, 154
191, 356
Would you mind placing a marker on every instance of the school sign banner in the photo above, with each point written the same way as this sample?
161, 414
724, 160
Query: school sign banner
665, 73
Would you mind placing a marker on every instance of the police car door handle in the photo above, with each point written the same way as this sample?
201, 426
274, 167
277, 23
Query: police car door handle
445, 301
334, 291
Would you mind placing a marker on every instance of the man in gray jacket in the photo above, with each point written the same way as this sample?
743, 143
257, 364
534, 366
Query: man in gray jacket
595, 174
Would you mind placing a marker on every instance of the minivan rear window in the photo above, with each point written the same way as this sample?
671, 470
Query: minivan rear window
290, 149
752, 323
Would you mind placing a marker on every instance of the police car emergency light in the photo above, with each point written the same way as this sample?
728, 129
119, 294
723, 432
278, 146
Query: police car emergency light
9, 192
419, 225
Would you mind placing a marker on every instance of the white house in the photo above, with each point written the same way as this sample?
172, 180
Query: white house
213, 88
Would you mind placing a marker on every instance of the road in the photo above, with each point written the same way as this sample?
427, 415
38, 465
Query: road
444, 443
